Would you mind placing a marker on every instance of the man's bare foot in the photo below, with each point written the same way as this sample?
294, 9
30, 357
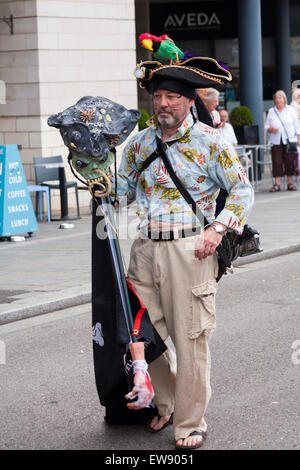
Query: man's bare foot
193, 441
158, 423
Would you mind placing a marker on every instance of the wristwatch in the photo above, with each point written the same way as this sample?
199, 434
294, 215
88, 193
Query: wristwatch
219, 229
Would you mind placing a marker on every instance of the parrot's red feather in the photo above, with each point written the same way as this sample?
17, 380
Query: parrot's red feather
154, 38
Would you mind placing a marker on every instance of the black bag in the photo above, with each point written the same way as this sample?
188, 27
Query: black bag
232, 245
291, 147
236, 246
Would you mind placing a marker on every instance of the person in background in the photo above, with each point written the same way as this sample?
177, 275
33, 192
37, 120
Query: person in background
296, 105
202, 92
211, 101
199, 109
226, 128
296, 101
282, 124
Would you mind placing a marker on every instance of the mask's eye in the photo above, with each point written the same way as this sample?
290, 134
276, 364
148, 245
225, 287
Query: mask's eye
80, 164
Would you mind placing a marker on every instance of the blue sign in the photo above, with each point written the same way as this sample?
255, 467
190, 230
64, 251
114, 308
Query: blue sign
16, 211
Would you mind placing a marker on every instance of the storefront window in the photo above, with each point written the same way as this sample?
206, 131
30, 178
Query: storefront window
295, 50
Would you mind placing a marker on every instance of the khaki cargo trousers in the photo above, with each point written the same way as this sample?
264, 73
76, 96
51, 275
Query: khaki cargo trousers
179, 293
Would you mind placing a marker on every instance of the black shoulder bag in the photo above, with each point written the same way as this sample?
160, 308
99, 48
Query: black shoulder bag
232, 245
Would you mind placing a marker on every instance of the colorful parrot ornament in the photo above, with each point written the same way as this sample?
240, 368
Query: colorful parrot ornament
162, 47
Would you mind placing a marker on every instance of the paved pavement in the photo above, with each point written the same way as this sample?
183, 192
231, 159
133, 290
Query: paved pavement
52, 269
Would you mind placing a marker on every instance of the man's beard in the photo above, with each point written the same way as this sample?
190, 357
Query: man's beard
167, 121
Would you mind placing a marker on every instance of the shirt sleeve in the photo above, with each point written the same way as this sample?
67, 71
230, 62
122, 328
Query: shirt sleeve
268, 120
127, 176
234, 139
295, 120
231, 176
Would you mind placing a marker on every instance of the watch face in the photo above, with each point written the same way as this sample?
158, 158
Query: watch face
218, 228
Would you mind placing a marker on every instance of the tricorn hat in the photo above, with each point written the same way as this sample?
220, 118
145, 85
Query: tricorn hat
94, 125
196, 72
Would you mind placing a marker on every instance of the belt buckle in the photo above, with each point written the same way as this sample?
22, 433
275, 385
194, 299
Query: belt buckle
167, 235
153, 234
176, 234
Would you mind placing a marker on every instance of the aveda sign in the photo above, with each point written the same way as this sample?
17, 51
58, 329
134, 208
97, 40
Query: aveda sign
195, 20
190, 20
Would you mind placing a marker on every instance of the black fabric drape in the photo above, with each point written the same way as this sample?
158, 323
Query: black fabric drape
202, 112
110, 334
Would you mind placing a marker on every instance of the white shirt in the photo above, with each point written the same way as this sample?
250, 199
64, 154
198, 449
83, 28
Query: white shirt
228, 133
289, 118
215, 116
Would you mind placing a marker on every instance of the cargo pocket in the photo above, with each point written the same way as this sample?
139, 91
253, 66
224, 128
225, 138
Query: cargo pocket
203, 314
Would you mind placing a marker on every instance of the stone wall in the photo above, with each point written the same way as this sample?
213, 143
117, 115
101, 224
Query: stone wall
60, 51
20, 116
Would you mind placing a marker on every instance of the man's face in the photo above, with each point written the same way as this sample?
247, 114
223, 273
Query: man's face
223, 115
170, 108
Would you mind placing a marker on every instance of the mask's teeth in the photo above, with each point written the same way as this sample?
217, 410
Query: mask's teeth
104, 184
95, 180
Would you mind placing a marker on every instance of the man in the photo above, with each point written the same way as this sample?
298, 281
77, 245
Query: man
172, 268
226, 128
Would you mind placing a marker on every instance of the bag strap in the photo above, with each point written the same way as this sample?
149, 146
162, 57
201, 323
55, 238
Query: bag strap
148, 161
154, 155
184, 192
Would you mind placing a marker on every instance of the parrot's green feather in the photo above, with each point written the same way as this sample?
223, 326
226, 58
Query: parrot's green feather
168, 50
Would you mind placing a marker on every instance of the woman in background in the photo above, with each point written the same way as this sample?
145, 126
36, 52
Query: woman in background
282, 124
296, 105
211, 101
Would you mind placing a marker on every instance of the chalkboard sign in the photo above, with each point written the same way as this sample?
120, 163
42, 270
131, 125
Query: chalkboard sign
16, 211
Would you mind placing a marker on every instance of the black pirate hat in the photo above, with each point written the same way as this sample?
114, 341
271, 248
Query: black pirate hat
195, 72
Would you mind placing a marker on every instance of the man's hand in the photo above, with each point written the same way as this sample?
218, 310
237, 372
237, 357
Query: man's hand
206, 243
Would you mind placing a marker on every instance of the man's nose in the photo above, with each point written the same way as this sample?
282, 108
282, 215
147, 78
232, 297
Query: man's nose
164, 102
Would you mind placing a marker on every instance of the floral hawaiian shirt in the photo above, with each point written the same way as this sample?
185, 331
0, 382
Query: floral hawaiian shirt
204, 163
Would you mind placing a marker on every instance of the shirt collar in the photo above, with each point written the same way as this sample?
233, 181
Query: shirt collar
187, 124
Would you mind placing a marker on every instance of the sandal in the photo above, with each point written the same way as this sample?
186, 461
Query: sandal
196, 446
291, 187
274, 188
148, 427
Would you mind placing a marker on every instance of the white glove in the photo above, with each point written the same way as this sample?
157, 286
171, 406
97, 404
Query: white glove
142, 386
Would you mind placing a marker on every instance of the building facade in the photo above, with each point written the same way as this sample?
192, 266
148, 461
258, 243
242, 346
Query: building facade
53, 53
212, 28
